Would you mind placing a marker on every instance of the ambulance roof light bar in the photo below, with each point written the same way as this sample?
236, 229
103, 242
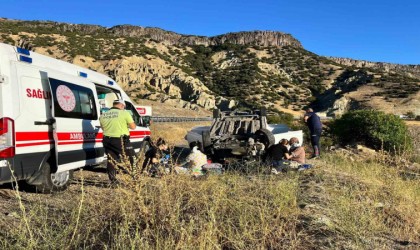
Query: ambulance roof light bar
23, 51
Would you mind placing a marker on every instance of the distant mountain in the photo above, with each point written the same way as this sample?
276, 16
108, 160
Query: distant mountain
242, 69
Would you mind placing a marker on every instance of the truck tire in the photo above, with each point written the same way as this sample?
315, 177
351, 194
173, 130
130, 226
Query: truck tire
206, 139
53, 182
266, 137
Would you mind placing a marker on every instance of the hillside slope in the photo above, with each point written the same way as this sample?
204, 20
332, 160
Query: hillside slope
243, 69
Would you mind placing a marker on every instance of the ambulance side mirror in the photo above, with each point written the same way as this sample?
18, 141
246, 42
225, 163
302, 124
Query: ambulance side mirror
146, 121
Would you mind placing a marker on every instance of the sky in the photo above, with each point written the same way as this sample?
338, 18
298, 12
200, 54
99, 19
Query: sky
372, 30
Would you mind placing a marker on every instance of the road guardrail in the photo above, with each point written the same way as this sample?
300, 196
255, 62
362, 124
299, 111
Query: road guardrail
180, 119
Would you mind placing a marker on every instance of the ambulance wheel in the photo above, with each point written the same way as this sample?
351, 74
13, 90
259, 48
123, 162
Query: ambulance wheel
54, 182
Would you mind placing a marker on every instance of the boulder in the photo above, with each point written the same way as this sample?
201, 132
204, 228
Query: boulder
340, 106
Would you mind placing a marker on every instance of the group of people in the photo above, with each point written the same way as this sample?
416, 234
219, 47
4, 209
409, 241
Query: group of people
117, 121
290, 154
116, 124
157, 159
285, 155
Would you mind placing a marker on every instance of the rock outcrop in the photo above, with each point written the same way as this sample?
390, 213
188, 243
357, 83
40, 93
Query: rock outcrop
340, 106
142, 75
414, 70
261, 38
225, 104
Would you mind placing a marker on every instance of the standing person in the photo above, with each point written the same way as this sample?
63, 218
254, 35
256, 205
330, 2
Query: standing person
115, 124
314, 124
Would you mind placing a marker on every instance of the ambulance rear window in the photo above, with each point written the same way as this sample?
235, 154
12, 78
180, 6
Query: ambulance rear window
73, 101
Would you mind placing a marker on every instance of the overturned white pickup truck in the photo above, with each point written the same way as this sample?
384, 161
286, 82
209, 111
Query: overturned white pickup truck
240, 135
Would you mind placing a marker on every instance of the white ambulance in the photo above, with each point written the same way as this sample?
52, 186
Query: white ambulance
49, 118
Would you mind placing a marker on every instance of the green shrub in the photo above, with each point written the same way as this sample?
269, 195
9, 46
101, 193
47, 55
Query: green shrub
281, 118
374, 129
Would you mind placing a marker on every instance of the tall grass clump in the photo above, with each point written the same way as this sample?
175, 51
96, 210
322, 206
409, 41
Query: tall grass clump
349, 203
375, 129
173, 212
370, 205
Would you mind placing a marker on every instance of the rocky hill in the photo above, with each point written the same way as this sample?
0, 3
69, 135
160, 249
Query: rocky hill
414, 70
242, 69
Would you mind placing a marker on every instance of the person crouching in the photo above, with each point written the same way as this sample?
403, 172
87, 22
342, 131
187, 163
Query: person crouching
294, 159
194, 162
296, 152
277, 156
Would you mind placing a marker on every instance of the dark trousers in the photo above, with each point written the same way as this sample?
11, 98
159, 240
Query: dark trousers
315, 137
281, 165
114, 148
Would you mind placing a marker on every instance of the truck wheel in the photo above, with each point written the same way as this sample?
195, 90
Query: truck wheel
53, 182
206, 139
266, 137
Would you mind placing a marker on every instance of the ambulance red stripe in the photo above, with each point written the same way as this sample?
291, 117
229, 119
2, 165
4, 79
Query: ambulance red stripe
38, 136
33, 136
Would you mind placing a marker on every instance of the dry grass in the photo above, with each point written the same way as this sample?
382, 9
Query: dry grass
367, 203
415, 134
345, 202
174, 133
174, 212
413, 123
